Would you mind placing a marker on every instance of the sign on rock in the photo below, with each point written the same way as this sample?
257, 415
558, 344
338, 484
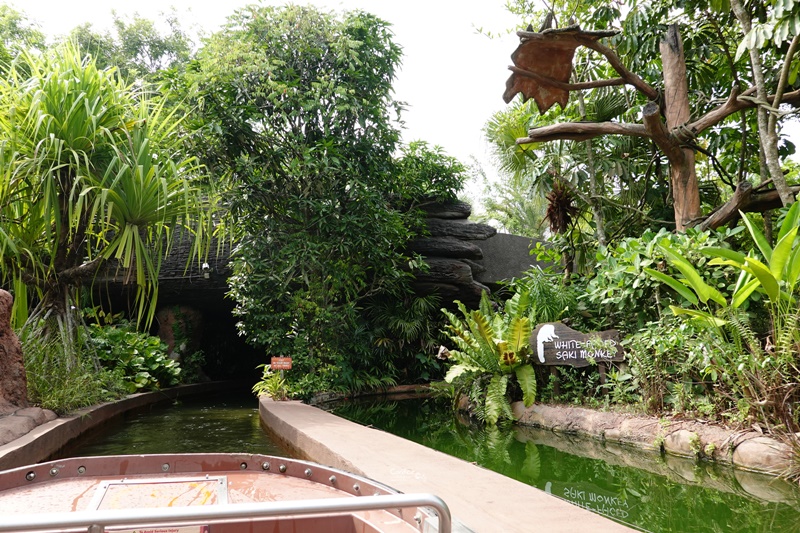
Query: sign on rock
280, 363
556, 344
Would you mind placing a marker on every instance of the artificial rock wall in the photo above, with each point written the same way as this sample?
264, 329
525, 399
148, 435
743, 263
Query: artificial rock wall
466, 258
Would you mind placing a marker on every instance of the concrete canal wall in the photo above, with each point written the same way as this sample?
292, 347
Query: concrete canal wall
479, 499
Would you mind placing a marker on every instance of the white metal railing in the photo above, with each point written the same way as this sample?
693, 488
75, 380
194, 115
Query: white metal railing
97, 521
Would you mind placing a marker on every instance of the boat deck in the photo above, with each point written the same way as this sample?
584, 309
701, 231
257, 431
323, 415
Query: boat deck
206, 493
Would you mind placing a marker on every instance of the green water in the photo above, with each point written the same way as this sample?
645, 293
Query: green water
641, 489
223, 423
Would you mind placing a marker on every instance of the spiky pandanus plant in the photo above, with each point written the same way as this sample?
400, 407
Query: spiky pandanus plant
90, 172
492, 350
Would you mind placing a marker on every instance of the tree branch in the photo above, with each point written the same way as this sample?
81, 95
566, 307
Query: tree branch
80, 272
658, 132
566, 86
581, 131
747, 199
615, 62
735, 104
730, 210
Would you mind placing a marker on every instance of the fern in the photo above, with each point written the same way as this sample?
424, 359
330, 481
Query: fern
483, 334
497, 404
518, 335
492, 348
527, 381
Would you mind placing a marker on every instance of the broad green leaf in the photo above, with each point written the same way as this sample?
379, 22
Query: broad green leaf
741, 294
456, 370
758, 237
790, 221
765, 277
724, 253
704, 291
518, 333
781, 254
702, 316
527, 382
793, 267
676, 285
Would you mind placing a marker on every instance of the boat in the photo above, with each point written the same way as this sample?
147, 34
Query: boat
207, 493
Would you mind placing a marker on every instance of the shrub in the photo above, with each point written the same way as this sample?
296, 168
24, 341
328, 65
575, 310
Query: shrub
492, 356
627, 296
141, 358
61, 383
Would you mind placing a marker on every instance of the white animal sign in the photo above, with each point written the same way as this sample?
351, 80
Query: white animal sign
556, 344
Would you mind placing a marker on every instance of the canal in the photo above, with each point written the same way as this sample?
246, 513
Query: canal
645, 490
220, 422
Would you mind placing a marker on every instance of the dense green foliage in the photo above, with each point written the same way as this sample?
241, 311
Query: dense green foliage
92, 186
492, 354
89, 174
296, 119
622, 291
710, 316
64, 378
137, 48
141, 359
709, 330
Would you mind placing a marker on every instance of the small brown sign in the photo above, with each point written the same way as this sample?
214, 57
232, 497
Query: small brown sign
280, 363
556, 344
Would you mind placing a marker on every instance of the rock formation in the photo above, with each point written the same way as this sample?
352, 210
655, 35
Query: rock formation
13, 383
450, 250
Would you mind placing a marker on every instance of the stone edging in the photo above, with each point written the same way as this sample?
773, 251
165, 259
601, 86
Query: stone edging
397, 392
42, 442
748, 450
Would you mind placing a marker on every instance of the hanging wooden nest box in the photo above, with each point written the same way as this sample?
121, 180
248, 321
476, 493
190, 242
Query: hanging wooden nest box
543, 64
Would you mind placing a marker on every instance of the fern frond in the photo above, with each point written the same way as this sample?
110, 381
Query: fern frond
497, 405
486, 307
527, 382
513, 304
484, 337
457, 370
518, 334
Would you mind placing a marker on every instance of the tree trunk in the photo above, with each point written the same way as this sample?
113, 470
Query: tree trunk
594, 191
767, 134
685, 193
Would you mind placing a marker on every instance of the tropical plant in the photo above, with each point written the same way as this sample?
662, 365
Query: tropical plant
296, 119
545, 297
90, 175
491, 348
65, 384
405, 330
762, 362
141, 359
272, 384
622, 291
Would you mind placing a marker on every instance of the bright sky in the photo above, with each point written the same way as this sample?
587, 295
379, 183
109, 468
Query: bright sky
452, 78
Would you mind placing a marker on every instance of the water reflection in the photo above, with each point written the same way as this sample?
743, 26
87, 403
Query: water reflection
639, 488
223, 423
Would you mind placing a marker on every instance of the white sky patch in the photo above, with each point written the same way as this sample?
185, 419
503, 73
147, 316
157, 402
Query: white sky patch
452, 78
